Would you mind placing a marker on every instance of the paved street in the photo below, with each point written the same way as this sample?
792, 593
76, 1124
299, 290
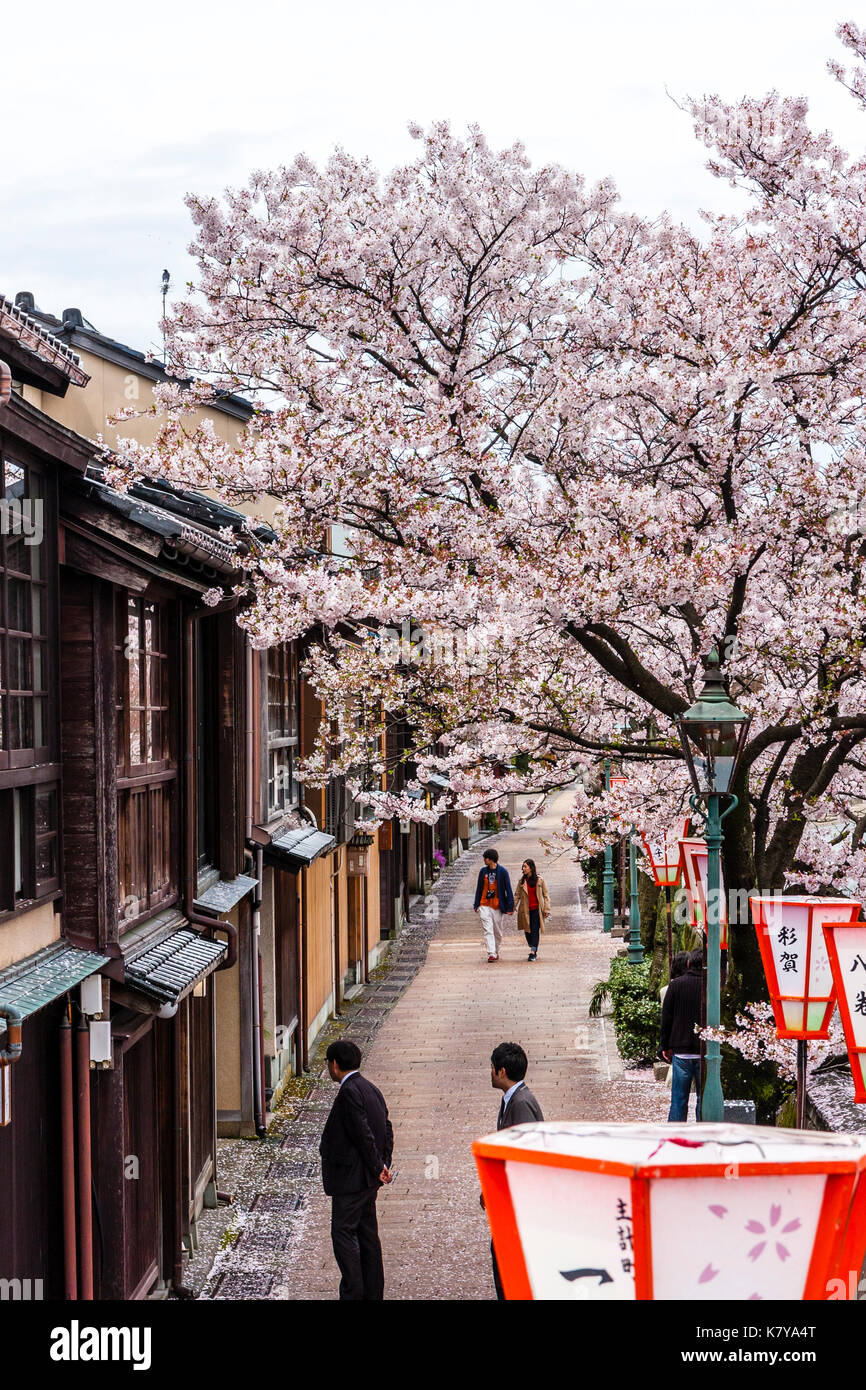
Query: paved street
430, 1056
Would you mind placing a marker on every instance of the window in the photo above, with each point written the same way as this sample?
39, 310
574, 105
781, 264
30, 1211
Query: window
29, 867
145, 663
29, 787
282, 715
26, 732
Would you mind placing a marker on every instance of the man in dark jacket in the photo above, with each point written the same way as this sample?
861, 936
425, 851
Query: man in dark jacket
494, 898
508, 1064
356, 1147
681, 1014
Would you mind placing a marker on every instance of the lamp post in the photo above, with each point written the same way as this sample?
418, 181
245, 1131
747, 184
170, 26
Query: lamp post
608, 865
713, 732
635, 947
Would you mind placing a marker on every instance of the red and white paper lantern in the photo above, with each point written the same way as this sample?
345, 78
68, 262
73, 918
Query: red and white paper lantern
795, 959
624, 1211
664, 855
693, 861
846, 948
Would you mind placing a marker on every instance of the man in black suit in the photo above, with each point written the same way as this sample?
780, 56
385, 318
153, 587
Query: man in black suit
356, 1147
508, 1064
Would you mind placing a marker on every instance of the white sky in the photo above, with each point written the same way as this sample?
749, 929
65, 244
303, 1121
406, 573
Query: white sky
113, 112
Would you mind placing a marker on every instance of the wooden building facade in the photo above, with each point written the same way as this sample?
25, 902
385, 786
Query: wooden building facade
179, 916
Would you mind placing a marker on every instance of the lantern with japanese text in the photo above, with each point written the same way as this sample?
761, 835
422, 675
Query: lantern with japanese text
664, 855
664, 863
846, 948
588, 1211
694, 864
796, 962
797, 968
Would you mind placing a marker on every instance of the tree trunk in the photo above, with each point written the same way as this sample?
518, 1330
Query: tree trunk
653, 928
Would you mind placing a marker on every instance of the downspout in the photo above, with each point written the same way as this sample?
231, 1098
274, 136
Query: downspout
249, 744
301, 917
365, 939
303, 1050
258, 1006
67, 1111
85, 1190
257, 990
14, 1022
335, 954
178, 1137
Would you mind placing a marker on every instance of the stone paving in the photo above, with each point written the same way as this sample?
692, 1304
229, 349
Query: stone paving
426, 1026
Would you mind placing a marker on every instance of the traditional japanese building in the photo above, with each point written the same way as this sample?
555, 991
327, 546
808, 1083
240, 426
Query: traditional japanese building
39, 971
179, 917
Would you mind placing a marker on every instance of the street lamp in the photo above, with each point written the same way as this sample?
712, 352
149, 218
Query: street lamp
713, 732
635, 947
608, 865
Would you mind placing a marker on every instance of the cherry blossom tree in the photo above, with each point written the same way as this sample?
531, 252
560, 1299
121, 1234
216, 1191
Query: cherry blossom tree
584, 444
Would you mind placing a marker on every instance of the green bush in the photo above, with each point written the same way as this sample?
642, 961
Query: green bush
636, 1009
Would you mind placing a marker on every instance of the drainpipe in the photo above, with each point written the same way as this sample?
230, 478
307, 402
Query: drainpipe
85, 1191
178, 1136
365, 939
5, 385
67, 1110
335, 954
258, 1006
258, 1003
14, 1022
303, 1050
249, 744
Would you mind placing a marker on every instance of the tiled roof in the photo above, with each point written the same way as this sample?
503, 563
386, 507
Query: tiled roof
15, 323
32, 983
302, 846
169, 970
206, 548
225, 894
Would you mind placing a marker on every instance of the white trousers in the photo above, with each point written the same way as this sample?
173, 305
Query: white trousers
491, 924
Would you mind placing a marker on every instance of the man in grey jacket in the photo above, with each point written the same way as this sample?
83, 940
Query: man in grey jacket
508, 1064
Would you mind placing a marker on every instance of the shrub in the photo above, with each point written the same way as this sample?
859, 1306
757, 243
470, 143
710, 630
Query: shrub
635, 1006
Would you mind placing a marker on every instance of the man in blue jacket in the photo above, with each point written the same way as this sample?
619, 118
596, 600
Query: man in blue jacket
494, 900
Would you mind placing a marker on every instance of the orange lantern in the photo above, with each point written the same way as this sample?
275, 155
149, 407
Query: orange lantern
795, 960
664, 862
664, 855
846, 948
586, 1211
693, 862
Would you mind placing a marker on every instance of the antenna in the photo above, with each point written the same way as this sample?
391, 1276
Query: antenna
166, 286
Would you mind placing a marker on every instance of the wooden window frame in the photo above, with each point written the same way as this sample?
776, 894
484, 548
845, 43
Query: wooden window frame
26, 772
148, 790
281, 735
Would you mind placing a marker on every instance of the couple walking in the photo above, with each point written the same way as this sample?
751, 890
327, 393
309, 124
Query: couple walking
494, 899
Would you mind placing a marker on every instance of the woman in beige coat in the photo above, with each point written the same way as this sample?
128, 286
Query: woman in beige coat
532, 905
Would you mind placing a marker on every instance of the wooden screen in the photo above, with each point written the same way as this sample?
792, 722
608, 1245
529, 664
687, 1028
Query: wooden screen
145, 665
